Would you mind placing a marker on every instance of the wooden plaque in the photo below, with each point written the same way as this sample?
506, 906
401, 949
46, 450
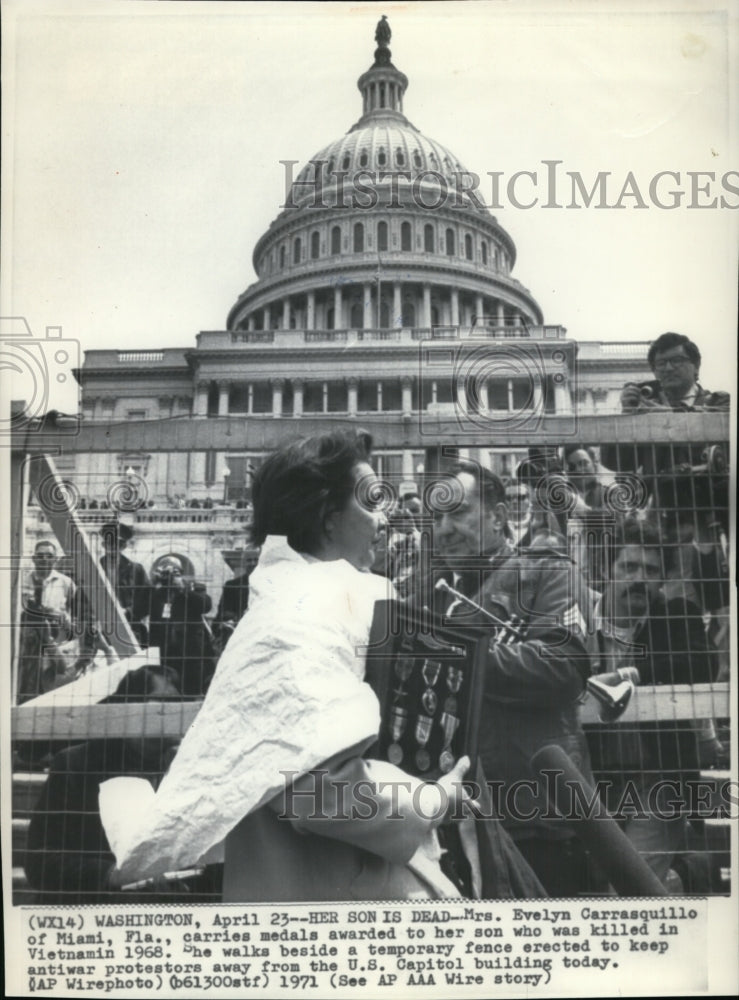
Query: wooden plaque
428, 679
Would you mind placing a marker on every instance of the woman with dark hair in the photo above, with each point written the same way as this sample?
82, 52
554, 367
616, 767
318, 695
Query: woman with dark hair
273, 765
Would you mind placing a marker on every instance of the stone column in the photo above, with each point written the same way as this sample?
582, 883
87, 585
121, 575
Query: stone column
500, 317
197, 469
286, 313
479, 311
338, 308
310, 319
250, 322
426, 319
485, 396
201, 399
367, 296
538, 396
224, 388
562, 397
455, 306
461, 396
352, 395
297, 384
277, 386
267, 318
406, 386
408, 471
397, 306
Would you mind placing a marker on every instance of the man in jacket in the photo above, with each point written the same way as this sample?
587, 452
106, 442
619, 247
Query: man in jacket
667, 643
536, 666
48, 650
177, 628
675, 362
129, 579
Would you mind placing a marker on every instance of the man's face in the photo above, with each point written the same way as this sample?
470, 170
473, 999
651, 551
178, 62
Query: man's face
518, 502
675, 371
169, 570
580, 464
470, 529
636, 577
44, 559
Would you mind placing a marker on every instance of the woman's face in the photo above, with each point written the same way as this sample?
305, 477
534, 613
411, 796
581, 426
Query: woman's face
354, 532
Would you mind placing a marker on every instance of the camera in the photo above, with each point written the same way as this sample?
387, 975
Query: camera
41, 367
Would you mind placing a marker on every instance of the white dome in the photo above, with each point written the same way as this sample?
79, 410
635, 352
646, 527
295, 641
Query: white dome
380, 146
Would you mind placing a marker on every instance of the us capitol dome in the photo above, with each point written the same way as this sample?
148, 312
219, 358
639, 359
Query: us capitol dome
397, 311
379, 230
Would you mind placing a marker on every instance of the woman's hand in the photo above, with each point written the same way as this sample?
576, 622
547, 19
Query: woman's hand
447, 798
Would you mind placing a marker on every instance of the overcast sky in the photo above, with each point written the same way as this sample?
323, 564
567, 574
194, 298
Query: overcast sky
141, 149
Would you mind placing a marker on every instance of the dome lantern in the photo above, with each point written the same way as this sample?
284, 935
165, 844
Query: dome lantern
382, 86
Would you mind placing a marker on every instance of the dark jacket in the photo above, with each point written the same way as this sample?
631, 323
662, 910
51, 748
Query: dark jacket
68, 857
234, 599
670, 647
535, 673
182, 637
133, 590
653, 459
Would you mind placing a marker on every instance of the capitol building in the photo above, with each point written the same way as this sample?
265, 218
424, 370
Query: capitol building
384, 295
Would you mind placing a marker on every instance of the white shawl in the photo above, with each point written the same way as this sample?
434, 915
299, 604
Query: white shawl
287, 695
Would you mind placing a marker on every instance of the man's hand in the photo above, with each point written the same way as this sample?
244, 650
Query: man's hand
633, 400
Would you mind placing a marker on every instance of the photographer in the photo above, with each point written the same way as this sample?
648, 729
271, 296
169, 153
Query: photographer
675, 361
176, 626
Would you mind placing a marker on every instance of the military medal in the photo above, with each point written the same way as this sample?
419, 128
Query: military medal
403, 670
454, 678
398, 722
423, 731
430, 673
449, 724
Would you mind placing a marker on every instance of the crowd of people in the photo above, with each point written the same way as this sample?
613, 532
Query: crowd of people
60, 638
590, 561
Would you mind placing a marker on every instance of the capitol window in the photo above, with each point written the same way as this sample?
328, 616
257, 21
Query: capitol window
363, 159
400, 157
315, 243
450, 242
296, 251
484, 248
405, 236
358, 237
282, 256
335, 240
468, 246
381, 158
428, 238
382, 235
346, 162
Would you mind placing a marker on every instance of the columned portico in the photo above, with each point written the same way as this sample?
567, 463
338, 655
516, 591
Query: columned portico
224, 387
201, 399
352, 396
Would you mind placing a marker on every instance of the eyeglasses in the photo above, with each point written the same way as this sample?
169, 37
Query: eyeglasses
679, 361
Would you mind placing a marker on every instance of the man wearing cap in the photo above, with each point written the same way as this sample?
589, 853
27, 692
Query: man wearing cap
48, 609
129, 579
537, 661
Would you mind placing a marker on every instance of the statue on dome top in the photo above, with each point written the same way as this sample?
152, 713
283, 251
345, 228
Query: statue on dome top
383, 33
